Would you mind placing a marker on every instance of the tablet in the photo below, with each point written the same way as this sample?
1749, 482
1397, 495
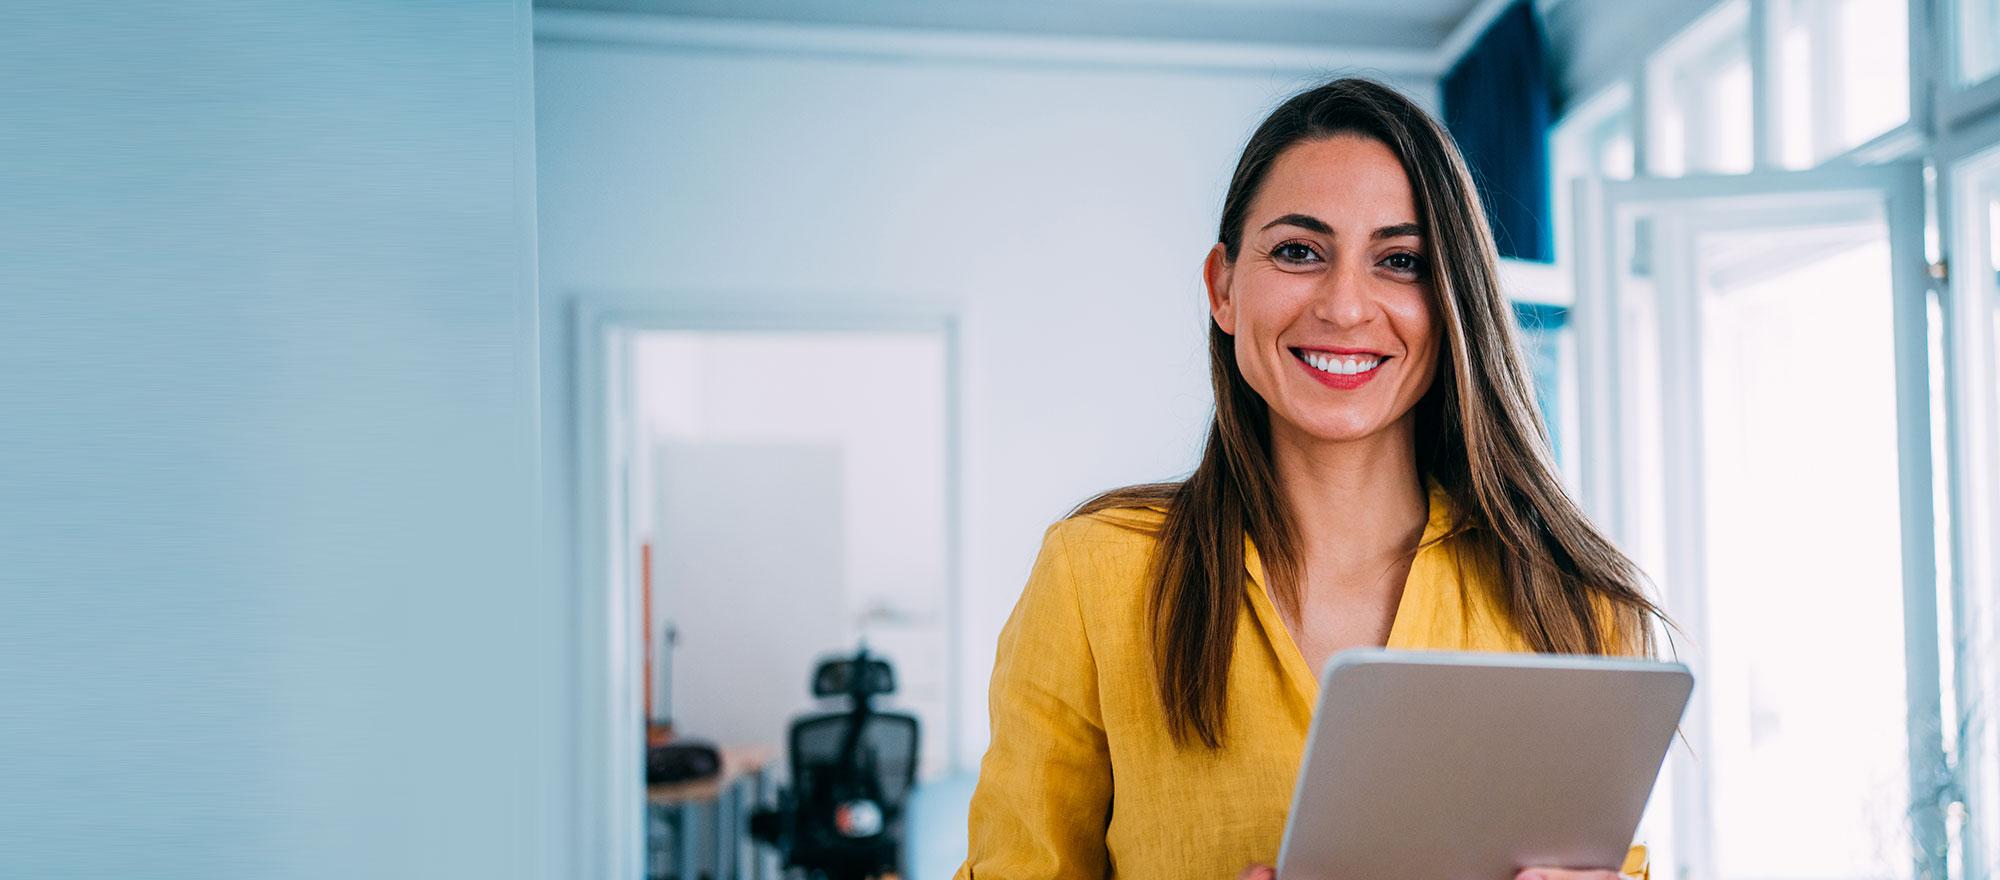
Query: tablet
1463, 766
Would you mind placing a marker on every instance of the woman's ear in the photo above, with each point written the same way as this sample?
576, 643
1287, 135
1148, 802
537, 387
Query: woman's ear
1215, 273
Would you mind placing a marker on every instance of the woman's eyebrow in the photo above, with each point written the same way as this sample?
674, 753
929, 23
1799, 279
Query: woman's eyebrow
1307, 221
1303, 221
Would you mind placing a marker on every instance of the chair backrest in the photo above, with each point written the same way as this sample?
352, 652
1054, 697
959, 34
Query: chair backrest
885, 756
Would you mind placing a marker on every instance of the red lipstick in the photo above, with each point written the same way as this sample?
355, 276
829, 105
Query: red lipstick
1340, 381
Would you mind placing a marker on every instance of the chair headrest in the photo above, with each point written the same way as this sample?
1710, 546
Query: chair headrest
846, 676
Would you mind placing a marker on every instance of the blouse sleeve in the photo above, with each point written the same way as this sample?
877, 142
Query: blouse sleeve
1637, 863
1043, 800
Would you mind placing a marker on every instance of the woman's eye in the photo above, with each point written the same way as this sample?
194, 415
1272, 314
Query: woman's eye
1294, 252
1405, 262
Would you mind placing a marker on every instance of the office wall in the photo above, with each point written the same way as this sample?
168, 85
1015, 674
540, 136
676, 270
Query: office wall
1061, 212
268, 445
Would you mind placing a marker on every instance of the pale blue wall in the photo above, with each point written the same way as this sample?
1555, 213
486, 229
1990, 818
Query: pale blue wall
268, 445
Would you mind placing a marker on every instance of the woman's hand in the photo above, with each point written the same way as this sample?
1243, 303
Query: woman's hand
1266, 872
1560, 874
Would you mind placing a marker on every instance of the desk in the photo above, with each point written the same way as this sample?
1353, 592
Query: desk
727, 798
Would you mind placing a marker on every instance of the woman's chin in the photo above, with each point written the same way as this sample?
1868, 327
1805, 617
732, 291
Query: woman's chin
1338, 429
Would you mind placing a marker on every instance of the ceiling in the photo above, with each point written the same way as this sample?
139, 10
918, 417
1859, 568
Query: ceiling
1396, 26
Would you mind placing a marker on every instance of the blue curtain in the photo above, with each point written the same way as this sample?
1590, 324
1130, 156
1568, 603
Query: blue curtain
1498, 105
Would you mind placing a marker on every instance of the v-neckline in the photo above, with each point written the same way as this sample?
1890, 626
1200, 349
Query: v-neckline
1305, 679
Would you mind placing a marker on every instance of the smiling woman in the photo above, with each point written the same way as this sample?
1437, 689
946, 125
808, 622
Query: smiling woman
1339, 299
1375, 474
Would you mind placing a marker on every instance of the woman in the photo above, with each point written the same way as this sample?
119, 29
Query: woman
1375, 475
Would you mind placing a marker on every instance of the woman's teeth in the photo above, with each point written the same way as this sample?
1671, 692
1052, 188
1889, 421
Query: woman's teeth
1339, 365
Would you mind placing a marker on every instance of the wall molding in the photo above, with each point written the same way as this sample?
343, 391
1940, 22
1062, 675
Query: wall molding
911, 44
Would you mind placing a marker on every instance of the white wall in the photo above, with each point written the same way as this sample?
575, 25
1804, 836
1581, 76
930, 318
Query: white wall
268, 445
747, 533
1061, 211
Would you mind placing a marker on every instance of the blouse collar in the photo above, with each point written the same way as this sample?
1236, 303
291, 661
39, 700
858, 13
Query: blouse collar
1436, 526
1304, 680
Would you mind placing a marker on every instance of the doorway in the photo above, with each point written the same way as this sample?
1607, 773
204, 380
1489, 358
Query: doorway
793, 487
793, 482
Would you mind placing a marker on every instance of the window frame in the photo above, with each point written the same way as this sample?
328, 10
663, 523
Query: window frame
1950, 123
1901, 192
1970, 299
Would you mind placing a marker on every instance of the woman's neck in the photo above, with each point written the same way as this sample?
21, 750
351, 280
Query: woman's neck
1352, 502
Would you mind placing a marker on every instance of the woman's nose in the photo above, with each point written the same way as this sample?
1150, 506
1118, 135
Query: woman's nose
1342, 298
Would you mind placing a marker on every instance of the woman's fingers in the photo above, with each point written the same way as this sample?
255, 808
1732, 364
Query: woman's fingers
1266, 872
1560, 874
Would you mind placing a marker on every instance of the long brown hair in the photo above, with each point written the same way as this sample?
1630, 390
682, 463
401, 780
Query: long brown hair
1478, 433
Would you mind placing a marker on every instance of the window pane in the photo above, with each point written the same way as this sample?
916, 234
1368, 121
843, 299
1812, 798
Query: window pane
1843, 75
1729, 147
1546, 343
1979, 39
1699, 95
1807, 658
1592, 141
1615, 154
1977, 218
1873, 69
1758, 443
1797, 145
1993, 287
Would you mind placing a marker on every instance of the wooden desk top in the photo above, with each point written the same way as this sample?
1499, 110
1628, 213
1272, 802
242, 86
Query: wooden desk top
737, 762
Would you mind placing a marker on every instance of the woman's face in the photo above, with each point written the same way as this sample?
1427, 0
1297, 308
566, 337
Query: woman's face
1328, 298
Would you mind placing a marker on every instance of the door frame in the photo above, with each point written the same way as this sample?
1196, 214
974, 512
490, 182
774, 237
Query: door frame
610, 797
1899, 189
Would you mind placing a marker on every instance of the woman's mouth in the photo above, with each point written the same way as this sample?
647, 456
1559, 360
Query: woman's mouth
1340, 371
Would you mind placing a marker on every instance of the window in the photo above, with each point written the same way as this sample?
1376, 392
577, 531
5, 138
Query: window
1750, 337
1978, 49
1698, 89
1973, 424
1772, 431
1842, 70
1546, 341
1987, 280
1593, 141
1759, 400
1993, 251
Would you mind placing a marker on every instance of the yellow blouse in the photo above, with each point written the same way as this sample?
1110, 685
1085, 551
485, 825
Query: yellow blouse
1082, 779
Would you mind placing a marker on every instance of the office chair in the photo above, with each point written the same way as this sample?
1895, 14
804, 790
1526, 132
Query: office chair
852, 771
